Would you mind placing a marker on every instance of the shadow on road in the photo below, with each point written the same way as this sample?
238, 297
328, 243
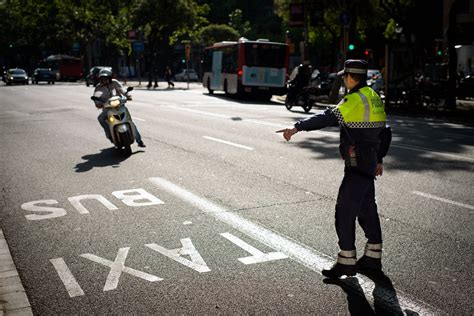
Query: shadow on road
107, 157
417, 145
385, 300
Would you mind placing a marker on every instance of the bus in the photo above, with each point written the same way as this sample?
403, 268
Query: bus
257, 68
64, 67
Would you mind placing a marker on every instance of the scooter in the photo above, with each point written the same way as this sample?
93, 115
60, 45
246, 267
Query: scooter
120, 122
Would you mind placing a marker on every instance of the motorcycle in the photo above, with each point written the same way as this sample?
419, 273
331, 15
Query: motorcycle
297, 92
318, 89
120, 121
298, 98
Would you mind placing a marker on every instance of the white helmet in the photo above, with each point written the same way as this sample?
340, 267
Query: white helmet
105, 73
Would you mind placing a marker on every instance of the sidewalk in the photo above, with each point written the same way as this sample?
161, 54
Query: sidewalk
162, 85
13, 299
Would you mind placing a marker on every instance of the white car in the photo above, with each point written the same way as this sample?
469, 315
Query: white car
185, 73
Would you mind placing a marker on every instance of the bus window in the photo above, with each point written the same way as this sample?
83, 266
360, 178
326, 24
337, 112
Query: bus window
265, 55
229, 60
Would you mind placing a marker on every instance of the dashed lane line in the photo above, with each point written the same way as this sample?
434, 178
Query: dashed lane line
437, 198
228, 143
329, 134
388, 298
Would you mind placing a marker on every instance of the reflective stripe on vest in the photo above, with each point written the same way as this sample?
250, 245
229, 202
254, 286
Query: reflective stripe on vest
362, 109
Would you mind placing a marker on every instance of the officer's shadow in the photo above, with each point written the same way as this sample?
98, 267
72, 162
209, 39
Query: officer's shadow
107, 157
385, 300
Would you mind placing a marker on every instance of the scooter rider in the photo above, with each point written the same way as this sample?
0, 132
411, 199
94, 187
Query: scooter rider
364, 141
107, 88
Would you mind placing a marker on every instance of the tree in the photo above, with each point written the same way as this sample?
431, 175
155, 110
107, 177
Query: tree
217, 33
44, 27
325, 37
237, 23
160, 21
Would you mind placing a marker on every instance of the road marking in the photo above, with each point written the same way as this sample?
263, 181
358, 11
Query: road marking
139, 119
305, 255
434, 197
439, 153
227, 143
257, 255
117, 267
325, 133
196, 263
73, 288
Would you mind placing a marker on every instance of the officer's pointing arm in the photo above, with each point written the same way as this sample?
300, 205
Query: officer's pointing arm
313, 123
318, 121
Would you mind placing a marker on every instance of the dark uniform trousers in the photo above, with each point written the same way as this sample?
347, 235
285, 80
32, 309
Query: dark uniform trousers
356, 199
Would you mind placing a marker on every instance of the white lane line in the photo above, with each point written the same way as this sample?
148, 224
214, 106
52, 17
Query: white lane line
308, 257
227, 143
439, 153
437, 198
73, 288
138, 119
325, 133
253, 121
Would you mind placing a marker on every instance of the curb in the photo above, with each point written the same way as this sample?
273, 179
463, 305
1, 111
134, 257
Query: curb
13, 299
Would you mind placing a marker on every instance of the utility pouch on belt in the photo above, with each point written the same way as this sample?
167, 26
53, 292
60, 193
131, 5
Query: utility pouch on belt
352, 157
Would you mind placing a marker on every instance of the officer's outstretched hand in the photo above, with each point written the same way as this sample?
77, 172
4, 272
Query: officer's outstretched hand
288, 132
379, 170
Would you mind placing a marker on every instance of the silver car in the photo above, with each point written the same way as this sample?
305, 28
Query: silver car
185, 73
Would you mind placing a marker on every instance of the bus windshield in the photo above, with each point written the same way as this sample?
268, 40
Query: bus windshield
265, 55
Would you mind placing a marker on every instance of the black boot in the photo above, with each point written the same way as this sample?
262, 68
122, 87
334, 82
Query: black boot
339, 270
141, 144
371, 261
369, 265
345, 265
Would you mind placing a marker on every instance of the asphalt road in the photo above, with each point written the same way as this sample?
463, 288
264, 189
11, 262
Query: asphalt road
218, 214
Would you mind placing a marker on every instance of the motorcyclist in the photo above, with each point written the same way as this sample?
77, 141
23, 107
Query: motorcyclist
302, 76
299, 79
107, 88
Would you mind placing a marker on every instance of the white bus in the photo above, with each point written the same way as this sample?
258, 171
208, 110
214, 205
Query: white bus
246, 68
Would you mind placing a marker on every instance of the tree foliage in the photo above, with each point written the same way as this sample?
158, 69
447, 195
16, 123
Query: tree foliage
237, 23
217, 33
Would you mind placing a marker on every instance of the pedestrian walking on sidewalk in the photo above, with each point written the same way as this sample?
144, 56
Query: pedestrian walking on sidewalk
169, 76
364, 141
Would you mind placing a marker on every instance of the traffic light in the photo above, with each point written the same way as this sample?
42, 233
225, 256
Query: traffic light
351, 46
366, 52
439, 52
183, 61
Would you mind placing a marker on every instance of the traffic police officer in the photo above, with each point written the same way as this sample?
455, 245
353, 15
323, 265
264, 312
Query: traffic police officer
364, 141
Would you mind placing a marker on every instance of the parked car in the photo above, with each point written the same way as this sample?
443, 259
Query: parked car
43, 74
185, 73
92, 77
16, 75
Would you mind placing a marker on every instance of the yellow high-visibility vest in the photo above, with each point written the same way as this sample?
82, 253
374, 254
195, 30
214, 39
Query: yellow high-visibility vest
361, 109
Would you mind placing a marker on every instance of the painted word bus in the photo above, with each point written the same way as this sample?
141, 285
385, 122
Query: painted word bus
246, 68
